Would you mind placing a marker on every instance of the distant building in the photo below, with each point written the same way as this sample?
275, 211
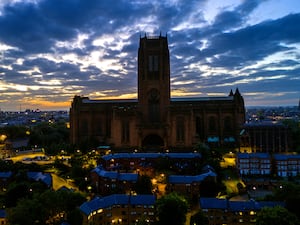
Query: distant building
265, 136
155, 120
118, 209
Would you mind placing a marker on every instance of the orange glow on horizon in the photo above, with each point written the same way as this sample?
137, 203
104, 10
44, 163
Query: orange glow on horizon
45, 104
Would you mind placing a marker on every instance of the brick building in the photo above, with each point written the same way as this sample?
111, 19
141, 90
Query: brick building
155, 120
224, 211
118, 209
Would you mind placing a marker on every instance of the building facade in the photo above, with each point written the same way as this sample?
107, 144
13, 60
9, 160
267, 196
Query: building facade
155, 120
263, 164
118, 209
265, 136
224, 211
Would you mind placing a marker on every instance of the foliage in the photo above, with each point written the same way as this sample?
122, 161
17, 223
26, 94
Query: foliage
52, 137
27, 212
20, 190
199, 219
44, 206
289, 193
294, 127
143, 185
276, 216
171, 209
13, 132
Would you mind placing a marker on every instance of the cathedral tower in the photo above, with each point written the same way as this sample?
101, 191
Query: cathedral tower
153, 79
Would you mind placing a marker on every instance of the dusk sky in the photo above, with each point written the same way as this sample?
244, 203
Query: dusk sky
51, 50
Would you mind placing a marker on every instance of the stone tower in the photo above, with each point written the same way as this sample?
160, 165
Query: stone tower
153, 79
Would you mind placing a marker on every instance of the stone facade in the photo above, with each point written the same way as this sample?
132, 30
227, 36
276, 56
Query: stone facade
155, 120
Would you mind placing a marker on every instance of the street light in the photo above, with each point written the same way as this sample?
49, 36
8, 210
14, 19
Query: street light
3, 137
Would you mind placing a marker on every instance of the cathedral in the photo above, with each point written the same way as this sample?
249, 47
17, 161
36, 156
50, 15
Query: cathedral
155, 121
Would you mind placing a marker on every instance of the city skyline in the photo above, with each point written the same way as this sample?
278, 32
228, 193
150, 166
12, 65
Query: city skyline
52, 50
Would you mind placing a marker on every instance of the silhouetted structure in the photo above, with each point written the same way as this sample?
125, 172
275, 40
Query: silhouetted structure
265, 136
155, 121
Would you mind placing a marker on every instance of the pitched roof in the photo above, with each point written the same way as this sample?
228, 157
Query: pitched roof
39, 176
235, 206
118, 199
181, 179
2, 213
116, 175
286, 156
5, 174
150, 155
260, 155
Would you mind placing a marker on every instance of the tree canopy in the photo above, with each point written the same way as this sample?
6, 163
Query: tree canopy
276, 216
171, 209
46, 207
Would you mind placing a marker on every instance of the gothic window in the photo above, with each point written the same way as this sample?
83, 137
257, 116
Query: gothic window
199, 126
180, 129
84, 126
153, 63
153, 66
227, 124
108, 127
98, 127
212, 126
125, 131
153, 104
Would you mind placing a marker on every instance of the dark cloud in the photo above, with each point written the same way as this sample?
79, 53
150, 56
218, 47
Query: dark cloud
216, 55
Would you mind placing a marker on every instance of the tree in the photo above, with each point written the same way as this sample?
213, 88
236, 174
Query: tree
42, 207
27, 212
171, 209
143, 185
199, 219
289, 193
276, 216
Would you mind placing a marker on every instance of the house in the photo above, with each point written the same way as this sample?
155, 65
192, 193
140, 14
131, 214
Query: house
108, 182
118, 209
188, 185
46, 178
143, 162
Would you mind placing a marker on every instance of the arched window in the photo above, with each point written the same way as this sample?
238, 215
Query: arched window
84, 126
153, 104
199, 126
212, 124
180, 129
227, 124
125, 131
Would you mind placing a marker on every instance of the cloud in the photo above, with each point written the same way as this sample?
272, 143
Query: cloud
53, 49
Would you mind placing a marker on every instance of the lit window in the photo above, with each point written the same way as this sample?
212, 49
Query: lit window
100, 211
